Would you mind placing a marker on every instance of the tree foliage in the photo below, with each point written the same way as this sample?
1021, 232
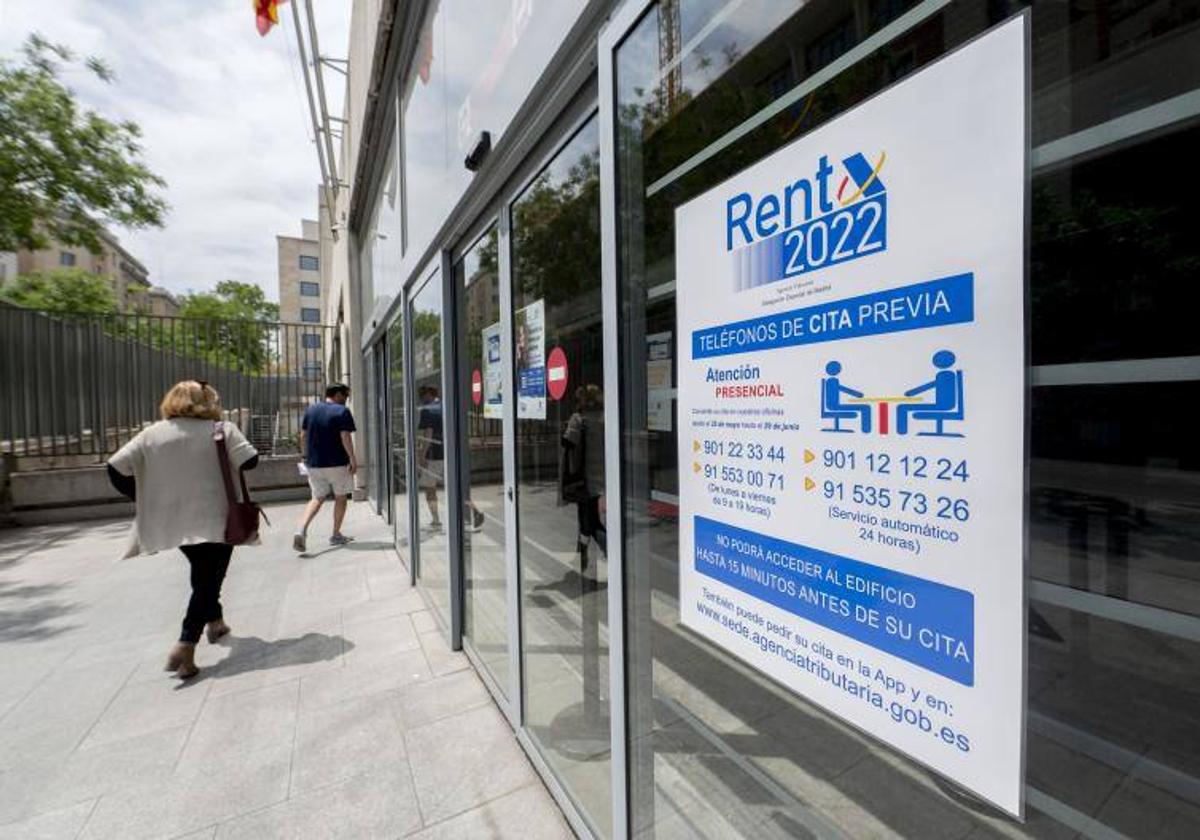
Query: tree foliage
231, 300
232, 327
63, 290
64, 169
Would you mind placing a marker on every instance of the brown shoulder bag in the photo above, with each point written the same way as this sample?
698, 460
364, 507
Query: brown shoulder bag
241, 520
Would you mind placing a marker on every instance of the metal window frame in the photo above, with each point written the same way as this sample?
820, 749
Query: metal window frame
620, 24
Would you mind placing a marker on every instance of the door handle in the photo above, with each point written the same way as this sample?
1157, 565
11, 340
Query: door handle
510, 494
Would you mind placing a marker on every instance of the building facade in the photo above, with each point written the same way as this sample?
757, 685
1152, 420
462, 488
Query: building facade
130, 279
303, 297
544, 525
158, 301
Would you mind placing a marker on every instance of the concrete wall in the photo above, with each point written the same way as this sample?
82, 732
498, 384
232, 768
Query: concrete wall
85, 493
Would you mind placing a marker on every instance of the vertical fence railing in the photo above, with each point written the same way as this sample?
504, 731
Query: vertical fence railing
82, 385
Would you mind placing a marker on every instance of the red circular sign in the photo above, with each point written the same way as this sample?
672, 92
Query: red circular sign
476, 386
556, 373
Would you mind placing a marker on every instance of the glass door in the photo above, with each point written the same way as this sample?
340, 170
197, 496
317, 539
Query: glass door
431, 558
558, 374
483, 406
399, 435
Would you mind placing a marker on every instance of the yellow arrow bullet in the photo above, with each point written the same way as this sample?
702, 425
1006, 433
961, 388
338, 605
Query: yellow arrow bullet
695, 446
809, 483
808, 456
695, 467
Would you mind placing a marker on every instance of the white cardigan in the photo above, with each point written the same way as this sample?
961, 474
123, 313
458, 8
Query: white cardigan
180, 492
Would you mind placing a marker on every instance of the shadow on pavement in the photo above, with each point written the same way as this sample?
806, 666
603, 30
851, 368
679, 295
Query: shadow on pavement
250, 653
31, 622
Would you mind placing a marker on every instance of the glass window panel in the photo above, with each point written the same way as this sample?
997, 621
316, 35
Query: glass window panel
431, 554
399, 434
474, 65
423, 121
560, 472
495, 52
482, 406
718, 750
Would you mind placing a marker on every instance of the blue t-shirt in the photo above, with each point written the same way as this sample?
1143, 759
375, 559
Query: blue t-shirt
323, 425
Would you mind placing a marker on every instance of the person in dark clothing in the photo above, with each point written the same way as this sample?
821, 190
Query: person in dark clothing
583, 468
328, 457
188, 514
430, 450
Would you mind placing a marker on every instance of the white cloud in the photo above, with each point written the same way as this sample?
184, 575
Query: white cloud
223, 117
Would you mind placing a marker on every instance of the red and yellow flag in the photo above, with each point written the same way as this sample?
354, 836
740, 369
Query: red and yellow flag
266, 14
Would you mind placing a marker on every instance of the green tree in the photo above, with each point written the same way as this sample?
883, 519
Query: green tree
66, 170
70, 290
230, 300
232, 326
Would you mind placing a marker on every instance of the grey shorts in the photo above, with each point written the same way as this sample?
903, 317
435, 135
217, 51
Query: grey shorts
326, 481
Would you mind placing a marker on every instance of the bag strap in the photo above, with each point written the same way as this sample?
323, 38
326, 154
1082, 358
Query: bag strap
226, 473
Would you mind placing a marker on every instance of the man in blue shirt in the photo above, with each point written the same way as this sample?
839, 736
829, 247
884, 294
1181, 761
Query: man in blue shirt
328, 457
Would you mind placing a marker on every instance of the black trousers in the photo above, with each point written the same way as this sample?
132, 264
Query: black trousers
209, 562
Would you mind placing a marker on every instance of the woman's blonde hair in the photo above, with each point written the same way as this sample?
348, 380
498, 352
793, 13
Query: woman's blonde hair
191, 398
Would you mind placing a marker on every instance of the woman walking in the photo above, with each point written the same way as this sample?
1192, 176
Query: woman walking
172, 472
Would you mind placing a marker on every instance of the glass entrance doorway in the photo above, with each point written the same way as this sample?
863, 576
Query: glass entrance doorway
430, 556
559, 408
531, 464
483, 404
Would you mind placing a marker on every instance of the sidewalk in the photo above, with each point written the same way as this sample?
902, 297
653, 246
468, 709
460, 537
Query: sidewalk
335, 709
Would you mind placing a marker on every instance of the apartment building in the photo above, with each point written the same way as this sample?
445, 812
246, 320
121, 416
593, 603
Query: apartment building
130, 279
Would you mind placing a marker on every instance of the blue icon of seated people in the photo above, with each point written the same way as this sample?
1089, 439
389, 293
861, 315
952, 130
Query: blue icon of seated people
840, 402
832, 406
947, 405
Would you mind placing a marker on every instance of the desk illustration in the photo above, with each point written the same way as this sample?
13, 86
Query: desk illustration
883, 403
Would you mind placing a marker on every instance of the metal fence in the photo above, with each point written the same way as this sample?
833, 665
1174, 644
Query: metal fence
83, 385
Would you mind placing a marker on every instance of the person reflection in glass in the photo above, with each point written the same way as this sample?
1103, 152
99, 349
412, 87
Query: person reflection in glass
430, 450
583, 469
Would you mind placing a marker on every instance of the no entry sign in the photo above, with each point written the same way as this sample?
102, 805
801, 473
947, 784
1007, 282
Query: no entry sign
556, 373
476, 386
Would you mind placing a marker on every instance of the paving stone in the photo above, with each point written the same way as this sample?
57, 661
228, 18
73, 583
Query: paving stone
463, 761
336, 685
145, 707
252, 720
194, 797
441, 697
63, 824
528, 813
377, 804
338, 741
442, 660
53, 783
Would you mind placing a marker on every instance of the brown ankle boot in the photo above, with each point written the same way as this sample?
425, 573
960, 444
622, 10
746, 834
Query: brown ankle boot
182, 660
216, 629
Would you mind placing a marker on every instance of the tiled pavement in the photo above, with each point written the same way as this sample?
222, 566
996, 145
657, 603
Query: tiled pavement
335, 709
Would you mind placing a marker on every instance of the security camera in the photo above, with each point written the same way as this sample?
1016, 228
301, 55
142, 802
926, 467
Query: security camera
479, 151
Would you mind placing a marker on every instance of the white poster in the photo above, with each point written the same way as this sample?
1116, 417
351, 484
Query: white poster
851, 415
530, 342
660, 388
492, 373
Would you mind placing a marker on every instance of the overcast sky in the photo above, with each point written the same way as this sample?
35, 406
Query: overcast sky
223, 114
